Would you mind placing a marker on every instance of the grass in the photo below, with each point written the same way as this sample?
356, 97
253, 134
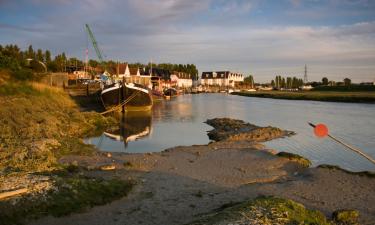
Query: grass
346, 216
350, 88
331, 96
75, 194
264, 210
296, 158
39, 124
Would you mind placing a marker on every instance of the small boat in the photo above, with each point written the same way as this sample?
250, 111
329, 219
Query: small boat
157, 95
134, 97
171, 92
306, 87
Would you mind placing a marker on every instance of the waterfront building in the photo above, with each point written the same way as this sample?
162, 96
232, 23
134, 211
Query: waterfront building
133, 75
181, 79
221, 78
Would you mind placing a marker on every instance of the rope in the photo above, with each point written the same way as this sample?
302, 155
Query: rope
131, 97
353, 149
348, 146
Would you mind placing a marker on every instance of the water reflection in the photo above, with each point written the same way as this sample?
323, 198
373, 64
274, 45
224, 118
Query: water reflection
179, 121
132, 126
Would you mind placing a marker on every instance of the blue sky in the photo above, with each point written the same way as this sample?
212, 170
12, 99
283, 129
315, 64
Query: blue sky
335, 38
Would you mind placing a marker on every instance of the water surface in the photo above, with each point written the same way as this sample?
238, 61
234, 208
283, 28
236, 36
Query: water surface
179, 121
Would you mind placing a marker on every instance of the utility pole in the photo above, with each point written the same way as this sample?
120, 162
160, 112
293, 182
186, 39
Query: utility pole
305, 77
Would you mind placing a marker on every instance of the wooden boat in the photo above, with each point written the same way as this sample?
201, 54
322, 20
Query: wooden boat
134, 97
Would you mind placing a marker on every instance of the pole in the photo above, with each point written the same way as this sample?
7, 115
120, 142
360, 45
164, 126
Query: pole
123, 94
348, 146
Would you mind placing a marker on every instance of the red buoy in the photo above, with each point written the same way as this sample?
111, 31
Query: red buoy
321, 130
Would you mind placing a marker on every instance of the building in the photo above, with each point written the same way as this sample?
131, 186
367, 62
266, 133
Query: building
181, 80
221, 78
133, 75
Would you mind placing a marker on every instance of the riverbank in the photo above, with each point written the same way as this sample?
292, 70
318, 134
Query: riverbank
69, 182
329, 96
39, 125
217, 184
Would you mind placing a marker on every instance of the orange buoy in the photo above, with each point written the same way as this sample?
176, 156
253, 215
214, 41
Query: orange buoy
321, 130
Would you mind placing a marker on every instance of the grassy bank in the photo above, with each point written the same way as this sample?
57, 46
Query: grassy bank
330, 96
69, 194
264, 210
38, 125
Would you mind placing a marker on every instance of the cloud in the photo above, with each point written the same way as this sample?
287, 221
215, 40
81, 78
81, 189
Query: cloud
234, 6
214, 34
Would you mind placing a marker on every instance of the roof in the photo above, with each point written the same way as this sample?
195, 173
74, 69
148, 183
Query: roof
218, 75
144, 72
133, 70
122, 68
182, 75
215, 75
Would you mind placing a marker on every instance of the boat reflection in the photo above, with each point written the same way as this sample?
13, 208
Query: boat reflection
132, 126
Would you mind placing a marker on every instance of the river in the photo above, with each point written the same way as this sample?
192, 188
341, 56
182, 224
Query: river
179, 121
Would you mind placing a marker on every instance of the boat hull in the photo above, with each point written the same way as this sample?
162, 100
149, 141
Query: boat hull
171, 92
136, 97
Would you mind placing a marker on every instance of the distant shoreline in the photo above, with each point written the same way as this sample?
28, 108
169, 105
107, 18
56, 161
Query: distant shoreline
349, 97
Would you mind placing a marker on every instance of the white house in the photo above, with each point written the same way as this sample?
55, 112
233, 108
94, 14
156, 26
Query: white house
221, 78
181, 79
134, 75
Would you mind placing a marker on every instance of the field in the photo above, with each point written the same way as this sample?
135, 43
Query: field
329, 96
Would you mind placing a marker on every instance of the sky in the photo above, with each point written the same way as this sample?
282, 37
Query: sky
265, 38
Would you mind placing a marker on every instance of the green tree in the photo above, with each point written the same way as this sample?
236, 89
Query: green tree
47, 58
30, 52
283, 83
249, 80
325, 81
347, 82
272, 83
39, 55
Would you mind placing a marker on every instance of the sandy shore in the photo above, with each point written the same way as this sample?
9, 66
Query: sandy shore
178, 185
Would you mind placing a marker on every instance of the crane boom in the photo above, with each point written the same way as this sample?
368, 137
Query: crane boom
95, 44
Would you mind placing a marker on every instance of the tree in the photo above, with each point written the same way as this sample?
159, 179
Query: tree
347, 82
249, 80
30, 52
272, 83
39, 55
283, 83
325, 81
47, 55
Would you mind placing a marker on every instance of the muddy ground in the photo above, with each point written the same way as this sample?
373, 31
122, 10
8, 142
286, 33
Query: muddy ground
180, 184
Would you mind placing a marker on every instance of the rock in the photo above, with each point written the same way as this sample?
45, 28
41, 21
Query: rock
238, 130
296, 158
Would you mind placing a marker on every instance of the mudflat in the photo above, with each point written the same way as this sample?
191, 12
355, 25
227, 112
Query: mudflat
180, 184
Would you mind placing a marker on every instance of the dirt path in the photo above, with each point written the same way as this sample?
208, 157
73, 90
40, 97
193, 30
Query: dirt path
178, 185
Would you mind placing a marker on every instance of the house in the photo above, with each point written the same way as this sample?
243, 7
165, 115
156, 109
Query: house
133, 75
221, 78
123, 70
181, 79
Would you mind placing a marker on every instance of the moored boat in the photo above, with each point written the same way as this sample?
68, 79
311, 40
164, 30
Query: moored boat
134, 97
170, 92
